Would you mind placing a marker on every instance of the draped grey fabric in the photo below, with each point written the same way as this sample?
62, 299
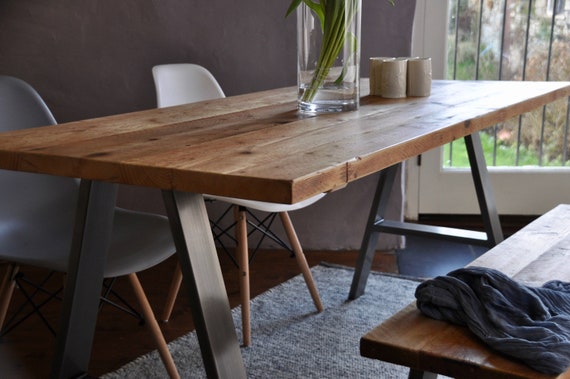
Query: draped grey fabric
531, 324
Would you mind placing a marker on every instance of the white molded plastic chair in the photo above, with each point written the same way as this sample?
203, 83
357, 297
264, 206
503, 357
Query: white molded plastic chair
184, 83
37, 215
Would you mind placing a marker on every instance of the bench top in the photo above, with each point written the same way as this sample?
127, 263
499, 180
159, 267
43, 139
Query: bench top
536, 254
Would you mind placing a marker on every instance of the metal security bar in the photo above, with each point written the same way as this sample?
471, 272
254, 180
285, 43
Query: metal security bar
514, 40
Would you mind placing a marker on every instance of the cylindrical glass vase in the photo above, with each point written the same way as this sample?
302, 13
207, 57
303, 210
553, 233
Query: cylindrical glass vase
328, 50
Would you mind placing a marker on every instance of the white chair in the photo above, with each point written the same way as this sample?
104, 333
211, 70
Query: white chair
37, 216
184, 83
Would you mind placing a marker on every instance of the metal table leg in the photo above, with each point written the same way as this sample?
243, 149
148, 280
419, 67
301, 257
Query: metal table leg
91, 239
483, 189
203, 278
371, 233
377, 224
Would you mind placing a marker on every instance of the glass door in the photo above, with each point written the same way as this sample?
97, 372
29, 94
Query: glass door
528, 157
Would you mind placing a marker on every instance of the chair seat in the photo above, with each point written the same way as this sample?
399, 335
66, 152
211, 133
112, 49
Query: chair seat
36, 226
268, 207
139, 241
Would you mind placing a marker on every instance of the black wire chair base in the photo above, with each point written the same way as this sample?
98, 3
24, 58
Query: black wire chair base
31, 290
36, 296
256, 224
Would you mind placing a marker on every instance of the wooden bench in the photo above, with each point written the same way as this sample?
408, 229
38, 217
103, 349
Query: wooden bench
536, 254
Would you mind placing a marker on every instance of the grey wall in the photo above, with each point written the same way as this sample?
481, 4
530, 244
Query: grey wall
91, 58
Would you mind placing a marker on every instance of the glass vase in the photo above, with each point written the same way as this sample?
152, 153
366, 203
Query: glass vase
328, 56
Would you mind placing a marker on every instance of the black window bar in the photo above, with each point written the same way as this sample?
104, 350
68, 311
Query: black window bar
467, 23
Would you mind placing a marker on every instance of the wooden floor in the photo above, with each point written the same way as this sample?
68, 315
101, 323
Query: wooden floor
26, 351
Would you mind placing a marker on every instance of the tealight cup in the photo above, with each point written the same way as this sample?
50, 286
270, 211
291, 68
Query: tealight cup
419, 76
393, 78
376, 74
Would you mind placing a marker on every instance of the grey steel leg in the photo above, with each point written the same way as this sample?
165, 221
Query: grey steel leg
91, 239
203, 278
371, 234
484, 190
376, 223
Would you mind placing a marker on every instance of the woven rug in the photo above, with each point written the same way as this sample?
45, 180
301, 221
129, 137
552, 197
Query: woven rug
291, 340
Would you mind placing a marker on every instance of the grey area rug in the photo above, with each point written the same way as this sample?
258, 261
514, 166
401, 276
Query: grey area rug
291, 340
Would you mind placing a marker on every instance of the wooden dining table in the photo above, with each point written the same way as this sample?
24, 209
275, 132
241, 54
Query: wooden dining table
254, 146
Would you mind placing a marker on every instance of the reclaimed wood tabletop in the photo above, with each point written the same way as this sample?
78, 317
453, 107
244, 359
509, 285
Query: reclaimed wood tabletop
258, 146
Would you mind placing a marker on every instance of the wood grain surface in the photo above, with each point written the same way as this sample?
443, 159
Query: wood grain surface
257, 146
536, 254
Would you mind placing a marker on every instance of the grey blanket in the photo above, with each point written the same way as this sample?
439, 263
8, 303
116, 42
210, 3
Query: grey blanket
528, 323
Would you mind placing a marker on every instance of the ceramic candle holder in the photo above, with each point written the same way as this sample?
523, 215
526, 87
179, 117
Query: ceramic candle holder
376, 74
419, 76
394, 78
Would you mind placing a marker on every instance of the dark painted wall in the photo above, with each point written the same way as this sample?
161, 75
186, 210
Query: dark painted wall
91, 58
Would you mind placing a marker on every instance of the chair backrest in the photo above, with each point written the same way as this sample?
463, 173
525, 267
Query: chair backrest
21, 107
182, 83
30, 201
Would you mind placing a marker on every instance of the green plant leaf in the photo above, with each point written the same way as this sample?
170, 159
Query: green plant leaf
294, 4
318, 8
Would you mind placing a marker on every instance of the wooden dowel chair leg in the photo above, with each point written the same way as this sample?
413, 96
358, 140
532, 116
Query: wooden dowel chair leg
7, 290
243, 260
301, 260
152, 324
172, 293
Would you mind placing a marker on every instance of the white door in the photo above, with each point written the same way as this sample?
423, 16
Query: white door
433, 189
